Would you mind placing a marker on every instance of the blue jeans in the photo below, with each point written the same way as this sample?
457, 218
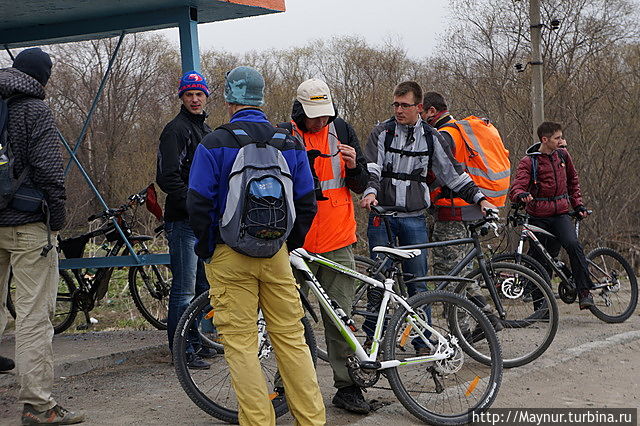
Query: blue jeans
407, 230
189, 279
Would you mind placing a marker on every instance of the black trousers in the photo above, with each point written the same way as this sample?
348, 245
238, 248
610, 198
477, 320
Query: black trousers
563, 228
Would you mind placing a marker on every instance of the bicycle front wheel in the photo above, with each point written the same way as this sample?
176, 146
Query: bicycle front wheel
149, 286
616, 294
531, 312
447, 391
211, 389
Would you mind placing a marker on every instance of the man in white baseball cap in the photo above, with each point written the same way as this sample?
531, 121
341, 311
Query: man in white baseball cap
339, 165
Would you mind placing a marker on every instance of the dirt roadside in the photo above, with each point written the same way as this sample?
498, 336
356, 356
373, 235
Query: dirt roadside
589, 364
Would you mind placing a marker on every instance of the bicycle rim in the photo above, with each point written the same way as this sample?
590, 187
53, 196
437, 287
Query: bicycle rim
447, 391
149, 286
617, 300
211, 389
531, 312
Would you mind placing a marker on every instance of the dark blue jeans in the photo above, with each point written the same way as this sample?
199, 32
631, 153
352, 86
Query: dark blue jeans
407, 230
189, 279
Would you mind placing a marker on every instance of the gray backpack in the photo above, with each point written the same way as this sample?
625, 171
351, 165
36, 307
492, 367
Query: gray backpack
259, 211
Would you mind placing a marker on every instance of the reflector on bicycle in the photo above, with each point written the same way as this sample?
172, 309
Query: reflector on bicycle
472, 386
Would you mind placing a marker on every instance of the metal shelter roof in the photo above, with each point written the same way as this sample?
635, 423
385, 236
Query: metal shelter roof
35, 22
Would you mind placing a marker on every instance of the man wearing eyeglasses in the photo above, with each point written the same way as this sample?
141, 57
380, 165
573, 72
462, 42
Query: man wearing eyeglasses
339, 165
404, 156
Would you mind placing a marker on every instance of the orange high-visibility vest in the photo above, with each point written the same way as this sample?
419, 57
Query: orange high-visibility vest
334, 226
479, 148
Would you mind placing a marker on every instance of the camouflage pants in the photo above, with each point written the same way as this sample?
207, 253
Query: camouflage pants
446, 258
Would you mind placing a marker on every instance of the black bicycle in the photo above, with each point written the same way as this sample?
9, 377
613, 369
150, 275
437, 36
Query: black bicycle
521, 299
149, 285
615, 285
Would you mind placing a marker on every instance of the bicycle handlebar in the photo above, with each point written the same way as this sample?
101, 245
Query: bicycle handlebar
137, 198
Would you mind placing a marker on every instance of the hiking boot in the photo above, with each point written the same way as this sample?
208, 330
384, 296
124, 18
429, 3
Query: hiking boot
351, 399
586, 300
6, 364
194, 362
53, 416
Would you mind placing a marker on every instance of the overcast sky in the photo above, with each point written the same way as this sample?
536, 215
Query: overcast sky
415, 23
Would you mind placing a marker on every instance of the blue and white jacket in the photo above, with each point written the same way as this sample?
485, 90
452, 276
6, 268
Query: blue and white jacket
209, 181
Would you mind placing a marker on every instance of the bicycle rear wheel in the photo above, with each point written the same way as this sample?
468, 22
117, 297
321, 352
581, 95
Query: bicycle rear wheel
447, 391
66, 304
531, 312
211, 389
617, 294
149, 286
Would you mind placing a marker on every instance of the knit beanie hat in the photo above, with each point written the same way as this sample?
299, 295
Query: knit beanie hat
244, 86
34, 62
193, 80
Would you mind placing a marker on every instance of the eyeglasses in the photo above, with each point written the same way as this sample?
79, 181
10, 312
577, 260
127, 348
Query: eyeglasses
403, 105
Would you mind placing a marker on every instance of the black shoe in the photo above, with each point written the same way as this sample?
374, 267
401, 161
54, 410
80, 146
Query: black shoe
586, 300
351, 399
495, 322
206, 352
194, 362
6, 364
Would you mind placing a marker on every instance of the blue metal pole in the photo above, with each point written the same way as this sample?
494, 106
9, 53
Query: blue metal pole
87, 120
189, 46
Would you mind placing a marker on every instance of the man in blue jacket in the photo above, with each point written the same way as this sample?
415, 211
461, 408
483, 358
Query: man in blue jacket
241, 284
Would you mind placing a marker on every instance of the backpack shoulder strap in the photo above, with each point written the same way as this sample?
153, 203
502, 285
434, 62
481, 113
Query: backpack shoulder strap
430, 131
390, 127
534, 170
341, 130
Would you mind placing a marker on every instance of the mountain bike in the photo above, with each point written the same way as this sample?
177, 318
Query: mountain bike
456, 378
615, 288
522, 302
149, 285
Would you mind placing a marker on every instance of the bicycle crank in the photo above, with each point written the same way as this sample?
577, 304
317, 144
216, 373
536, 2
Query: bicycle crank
567, 294
363, 374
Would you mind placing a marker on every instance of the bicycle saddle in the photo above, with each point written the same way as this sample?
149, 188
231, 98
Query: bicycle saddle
395, 253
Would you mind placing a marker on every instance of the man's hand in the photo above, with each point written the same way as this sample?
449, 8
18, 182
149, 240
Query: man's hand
525, 197
368, 201
485, 205
582, 211
348, 155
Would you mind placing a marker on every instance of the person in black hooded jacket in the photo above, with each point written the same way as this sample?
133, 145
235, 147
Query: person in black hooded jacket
25, 238
178, 143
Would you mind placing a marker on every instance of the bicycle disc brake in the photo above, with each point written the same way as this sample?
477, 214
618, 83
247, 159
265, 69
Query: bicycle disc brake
512, 289
363, 377
567, 294
453, 363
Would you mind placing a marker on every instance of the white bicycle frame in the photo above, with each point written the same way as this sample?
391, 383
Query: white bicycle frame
298, 259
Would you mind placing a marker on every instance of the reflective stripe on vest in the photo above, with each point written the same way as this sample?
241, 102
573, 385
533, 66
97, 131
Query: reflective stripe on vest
336, 163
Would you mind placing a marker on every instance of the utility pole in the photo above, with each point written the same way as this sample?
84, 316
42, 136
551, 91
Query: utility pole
537, 84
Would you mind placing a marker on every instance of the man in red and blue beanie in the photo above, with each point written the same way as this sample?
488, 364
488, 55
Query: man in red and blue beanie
178, 143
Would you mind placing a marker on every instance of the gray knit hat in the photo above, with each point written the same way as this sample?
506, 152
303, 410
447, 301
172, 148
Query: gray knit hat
244, 86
